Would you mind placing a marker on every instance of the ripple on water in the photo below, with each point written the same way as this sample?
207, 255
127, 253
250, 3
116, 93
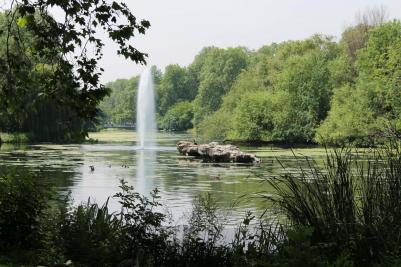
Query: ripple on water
179, 180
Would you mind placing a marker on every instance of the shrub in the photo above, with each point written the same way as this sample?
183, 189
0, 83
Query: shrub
14, 138
216, 126
23, 201
145, 233
91, 235
178, 117
345, 214
202, 243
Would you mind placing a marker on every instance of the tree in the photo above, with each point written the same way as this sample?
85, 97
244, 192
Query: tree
195, 68
350, 118
354, 37
217, 126
284, 93
67, 49
371, 107
219, 71
181, 84
178, 117
34, 112
120, 106
173, 88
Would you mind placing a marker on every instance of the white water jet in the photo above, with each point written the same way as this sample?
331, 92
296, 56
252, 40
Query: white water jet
145, 111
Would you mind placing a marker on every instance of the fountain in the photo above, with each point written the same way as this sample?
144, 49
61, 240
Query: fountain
145, 116
146, 133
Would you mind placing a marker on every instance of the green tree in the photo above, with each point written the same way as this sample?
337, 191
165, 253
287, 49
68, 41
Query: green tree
173, 88
350, 118
284, 94
178, 117
60, 59
195, 68
219, 71
372, 107
44, 117
217, 126
120, 106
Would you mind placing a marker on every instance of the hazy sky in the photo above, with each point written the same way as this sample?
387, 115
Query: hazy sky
181, 28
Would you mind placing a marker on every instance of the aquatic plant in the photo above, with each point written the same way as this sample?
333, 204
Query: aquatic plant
352, 205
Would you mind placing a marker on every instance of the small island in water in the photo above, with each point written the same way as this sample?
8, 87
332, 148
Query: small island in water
214, 152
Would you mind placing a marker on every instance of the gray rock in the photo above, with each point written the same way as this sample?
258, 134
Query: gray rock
213, 152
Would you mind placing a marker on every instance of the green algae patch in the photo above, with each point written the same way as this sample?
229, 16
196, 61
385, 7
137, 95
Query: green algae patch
113, 135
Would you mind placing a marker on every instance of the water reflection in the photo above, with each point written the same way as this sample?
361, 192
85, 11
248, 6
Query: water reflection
145, 172
179, 180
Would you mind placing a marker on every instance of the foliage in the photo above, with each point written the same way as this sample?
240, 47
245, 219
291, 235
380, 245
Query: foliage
370, 108
120, 106
306, 91
217, 126
174, 88
91, 234
14, 138
144, 236
50, 67
346, 213
351, 206
33, 112
200, 242
178, 117
219, 71
23, 200
284, 93
258, 114
349, 119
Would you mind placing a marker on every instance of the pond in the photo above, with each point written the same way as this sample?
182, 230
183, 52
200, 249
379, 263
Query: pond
237, 188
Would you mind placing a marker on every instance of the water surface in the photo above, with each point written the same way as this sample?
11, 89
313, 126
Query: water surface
236, 187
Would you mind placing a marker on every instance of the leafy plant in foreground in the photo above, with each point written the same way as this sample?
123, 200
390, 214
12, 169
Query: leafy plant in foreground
23, 201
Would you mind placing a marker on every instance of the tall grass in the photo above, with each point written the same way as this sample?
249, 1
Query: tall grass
352, 205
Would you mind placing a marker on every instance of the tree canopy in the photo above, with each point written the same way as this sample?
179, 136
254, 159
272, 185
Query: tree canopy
312, 90
50, 84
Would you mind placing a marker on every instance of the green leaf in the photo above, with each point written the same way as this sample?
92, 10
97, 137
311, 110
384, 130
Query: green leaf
21, 22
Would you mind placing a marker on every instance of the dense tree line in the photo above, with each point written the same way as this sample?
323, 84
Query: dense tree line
313, 90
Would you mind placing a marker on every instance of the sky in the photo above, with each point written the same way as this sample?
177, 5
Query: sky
181, 28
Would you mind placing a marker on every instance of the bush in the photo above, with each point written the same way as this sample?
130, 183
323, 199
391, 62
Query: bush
13, 138
23, 201
145, 231
217, 126
178, 117
203, 238
91, 235
349, 120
